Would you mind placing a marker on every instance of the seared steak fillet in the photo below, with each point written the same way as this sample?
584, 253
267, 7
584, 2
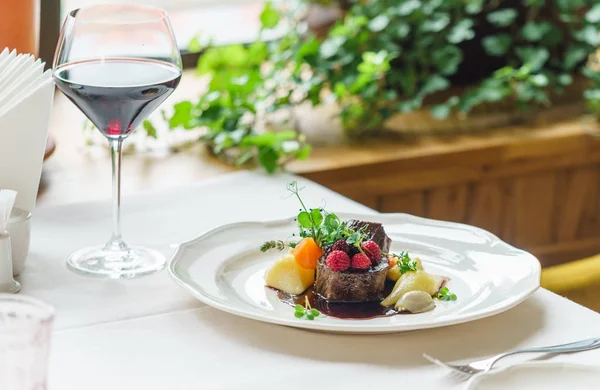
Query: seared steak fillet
355, 285
351, 285
375, 233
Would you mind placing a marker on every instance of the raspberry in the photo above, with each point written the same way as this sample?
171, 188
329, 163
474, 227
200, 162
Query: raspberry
360, 261
338, 261
341, 245
372, 250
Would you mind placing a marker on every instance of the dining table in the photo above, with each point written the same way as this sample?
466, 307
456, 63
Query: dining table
149, 333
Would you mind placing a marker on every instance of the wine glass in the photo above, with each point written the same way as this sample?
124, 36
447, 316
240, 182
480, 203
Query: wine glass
117, 64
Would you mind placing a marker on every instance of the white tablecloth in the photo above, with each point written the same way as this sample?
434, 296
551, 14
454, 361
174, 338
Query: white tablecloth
149, 334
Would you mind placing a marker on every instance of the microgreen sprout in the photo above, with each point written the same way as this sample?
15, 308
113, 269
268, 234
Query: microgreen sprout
445, 295
404, 262
306, 312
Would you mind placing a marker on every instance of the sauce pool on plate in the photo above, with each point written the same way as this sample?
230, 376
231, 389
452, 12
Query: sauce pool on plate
344, 310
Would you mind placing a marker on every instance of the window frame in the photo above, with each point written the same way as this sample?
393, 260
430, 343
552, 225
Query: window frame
49, 31
50, 24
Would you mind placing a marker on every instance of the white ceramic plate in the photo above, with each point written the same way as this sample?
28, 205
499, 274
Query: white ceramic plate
224, 268
539, 376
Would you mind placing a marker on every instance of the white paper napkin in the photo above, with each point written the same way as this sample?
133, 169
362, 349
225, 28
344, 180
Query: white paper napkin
20, 85
26, 94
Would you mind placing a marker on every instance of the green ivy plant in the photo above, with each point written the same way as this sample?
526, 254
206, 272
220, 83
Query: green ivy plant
386, 57
240, 90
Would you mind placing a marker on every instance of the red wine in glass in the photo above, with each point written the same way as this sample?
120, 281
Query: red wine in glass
117, 94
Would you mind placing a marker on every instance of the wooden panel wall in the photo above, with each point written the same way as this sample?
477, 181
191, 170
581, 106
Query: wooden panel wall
554, 214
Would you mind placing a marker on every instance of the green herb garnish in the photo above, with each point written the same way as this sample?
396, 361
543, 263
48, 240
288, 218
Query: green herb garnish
306, 312
445, 295
274, 244
324, 227
356, 237
404, 262
308, 220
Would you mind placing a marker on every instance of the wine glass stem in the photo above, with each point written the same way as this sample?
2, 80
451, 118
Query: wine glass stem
115, 149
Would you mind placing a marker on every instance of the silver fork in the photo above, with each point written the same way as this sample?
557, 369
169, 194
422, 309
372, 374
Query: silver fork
487, 364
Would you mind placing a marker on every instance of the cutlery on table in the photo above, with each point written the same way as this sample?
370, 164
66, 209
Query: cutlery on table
486, 364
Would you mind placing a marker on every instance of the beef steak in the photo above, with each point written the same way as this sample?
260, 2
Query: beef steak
355, 285
374, 231
351, 285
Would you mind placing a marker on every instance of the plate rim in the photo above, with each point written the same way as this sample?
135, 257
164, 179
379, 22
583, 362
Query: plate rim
346, 326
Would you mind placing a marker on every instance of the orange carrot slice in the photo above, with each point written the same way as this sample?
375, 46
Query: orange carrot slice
393, 260
307, 252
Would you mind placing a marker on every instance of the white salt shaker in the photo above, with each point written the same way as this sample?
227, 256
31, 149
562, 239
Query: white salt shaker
7, 282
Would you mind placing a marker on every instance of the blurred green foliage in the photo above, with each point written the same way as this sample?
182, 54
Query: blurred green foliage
239, 90
386, 57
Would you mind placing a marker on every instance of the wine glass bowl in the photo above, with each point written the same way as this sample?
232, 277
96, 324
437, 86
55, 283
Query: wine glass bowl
117, 64
117, 105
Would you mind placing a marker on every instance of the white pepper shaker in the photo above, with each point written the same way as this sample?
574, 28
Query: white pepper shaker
7, 282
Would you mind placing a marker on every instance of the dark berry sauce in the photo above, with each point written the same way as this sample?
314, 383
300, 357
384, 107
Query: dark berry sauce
343, 310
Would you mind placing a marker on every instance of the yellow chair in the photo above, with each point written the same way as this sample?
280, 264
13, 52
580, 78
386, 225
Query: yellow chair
578, 280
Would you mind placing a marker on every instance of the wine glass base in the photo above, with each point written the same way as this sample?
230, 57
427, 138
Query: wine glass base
116, 264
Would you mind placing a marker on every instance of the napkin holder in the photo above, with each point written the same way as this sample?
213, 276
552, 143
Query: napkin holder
25, 107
